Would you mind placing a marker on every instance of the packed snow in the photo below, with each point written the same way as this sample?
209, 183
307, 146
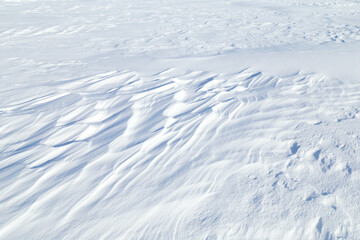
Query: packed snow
164, 119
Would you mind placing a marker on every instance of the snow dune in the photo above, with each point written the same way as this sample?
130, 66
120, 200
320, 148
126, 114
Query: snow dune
172, 119
181, 154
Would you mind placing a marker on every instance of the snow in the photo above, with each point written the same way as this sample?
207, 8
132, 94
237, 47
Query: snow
170, 119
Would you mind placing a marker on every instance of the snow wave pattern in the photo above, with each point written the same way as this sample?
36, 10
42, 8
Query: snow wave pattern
181, 155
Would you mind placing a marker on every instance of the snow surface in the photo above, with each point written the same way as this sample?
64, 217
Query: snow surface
170, 119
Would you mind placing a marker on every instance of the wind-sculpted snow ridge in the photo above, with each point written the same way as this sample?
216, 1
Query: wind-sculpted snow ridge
181, 155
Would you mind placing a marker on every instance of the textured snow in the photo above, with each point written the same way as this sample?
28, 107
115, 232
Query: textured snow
180, 119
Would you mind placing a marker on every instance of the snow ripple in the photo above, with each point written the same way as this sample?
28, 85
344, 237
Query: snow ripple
181, 155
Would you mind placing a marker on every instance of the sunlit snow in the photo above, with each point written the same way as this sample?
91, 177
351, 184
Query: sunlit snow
164, 119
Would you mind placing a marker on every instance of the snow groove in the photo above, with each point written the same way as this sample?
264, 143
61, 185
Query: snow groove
170, 154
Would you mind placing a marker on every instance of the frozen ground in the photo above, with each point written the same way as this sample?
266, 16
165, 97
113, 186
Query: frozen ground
180, 119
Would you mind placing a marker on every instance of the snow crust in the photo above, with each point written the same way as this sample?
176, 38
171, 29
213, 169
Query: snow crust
179, 119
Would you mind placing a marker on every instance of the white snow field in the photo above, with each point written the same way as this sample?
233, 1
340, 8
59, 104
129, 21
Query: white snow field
164, 119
